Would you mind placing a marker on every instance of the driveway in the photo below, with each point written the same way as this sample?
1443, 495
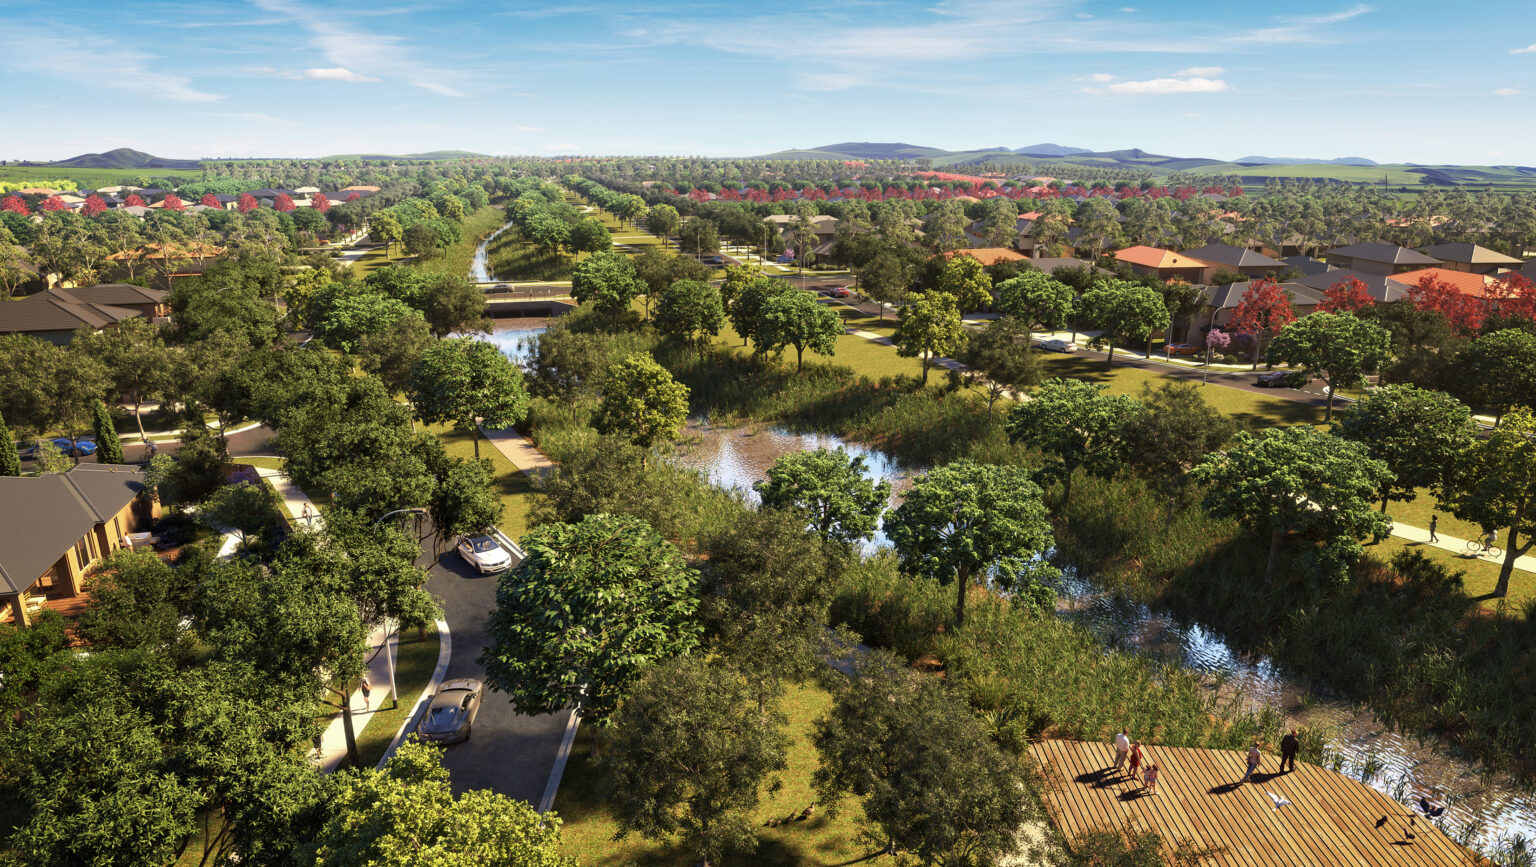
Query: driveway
510, 753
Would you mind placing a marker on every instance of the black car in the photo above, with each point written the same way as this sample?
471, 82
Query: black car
1281, 379
452, 712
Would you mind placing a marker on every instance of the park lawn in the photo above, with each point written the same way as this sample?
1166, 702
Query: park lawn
90, 179
1416, 513
414, 663
513, 485
589, 826
864, 356
456, 259
1480, 575
377, 258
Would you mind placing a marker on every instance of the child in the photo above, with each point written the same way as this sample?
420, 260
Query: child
1136, 760
1151, 780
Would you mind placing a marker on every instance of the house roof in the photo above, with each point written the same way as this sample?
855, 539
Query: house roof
1233, 257
46, 515
191, 249
1378, 285
117, 293
360, 188
1049, 264
987, 255
58, 310
1153, 257
1466, 284
1306, 264
1379, 252
1471, 254
1231, 295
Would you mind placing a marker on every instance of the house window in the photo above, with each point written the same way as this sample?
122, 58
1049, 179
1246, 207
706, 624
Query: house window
83, 552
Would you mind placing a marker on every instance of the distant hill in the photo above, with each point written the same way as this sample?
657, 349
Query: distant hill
1046, 149
123, 158
864, 150
1303, 161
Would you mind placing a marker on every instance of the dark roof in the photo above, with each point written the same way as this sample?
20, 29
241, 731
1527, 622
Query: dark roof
116, 293
58, 310
46, 515
1306, 264
1471, 254
1236, 257
1379, 252
1231, 295
226, 199
1050, 264
1378, 285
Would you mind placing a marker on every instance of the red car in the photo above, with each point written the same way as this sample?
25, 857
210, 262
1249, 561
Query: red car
1181, 349
840, 292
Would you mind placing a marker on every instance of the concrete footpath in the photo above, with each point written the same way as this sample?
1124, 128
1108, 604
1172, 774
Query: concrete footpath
516, 448
1458, 546
333, 742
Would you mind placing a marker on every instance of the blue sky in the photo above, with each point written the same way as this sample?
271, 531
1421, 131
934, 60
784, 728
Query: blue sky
1393, 80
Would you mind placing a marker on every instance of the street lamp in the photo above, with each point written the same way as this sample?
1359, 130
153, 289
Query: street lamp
389, 622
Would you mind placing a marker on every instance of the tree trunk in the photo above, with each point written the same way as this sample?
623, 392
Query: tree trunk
1066, 494
474, 437
799, 359
962, 582
1110, 361
1274, 555
927, 360
139, 420
1328, 414
346, 728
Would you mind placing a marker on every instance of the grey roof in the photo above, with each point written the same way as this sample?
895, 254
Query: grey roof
1472, 254
46, 515
116, 293
1236, 257
1231, 295
58, 310
1306, 264
1378, 285
1379, 252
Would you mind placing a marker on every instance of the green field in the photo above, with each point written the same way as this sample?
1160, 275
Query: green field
90, 179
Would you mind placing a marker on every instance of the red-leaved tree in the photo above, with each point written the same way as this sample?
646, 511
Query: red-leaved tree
1264, 309
1345, 296
246, 203
320, 203
15, 205
283, 202
354, 196
210, 200
1514, 295
94, 205
172, 203
54, 203
134, 200
1464, 312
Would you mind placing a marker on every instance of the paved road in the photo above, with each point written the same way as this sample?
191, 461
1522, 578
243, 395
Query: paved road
510, 753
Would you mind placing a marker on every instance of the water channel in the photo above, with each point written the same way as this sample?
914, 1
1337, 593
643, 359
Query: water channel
479, 266
1485, 808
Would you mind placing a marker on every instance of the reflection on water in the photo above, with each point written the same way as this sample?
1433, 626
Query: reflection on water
516, 339
1485, 808
479, 270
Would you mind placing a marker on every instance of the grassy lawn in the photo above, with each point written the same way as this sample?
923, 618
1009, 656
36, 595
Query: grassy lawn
88, 179
512, 485
456, 259
866, 357
1481, 575
415, 661
589, 827
377, 258
511, 258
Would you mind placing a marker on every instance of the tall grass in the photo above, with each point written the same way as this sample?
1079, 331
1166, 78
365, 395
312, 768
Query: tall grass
455, 260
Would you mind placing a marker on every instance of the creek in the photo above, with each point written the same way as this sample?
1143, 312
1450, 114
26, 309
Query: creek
479, 267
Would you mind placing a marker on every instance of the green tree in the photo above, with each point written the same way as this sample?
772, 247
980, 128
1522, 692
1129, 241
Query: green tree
1036, 301
967, 521
49, 458
1337, 347
964, 278
1418, 434
929, 326
1000, 225
1298, 480
1494, 485
690, 313
386, 230
137, 600
690, 755
450, 303
1498, 372
699, 236
797, 319
946, 227
108, 449
641, 402
407, 814
1173, 432
1123, 310
591, 236
746, 311
608, 281
246, 508
659, 269
829, 490
887, 278
465, 500
997, 362
591, 606
392, 354
1078, 426
927, 773
352, 318
139, 365
662, 221
470, 383
10, 461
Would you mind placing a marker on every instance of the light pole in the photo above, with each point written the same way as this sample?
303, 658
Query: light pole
389, 622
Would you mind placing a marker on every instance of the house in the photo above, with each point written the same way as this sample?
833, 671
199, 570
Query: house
1306, 265
824, 225
988, 256
1164, 264
1475, 285
365, 189
1472, 258
55, 315
1050, 265
59, 525
1378, 258
1380, 287
1236, 260
1221, 302
150, 303
167, 262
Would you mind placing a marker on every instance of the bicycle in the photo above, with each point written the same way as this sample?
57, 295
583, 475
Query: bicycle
1481, 548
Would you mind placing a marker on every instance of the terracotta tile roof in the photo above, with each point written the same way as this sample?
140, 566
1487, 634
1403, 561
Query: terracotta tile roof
1152, 257
1467, 284
988, 255
180, 251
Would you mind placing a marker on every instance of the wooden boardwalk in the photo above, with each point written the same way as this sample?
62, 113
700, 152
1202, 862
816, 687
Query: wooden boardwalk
1331, 820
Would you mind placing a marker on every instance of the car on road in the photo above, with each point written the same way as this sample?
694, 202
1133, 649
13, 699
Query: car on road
451, 715
840, 292
1281, 379
1056, 344
484, 553
79, 449
717, 261
1181, 349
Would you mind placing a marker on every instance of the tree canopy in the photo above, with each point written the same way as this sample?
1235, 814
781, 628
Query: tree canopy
1338, 347
830, 490
929, 326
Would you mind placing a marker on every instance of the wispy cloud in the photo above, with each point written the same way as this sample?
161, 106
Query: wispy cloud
336, 73
521, 128
1169, 85
368, 54
1507, 91
1354, 11
1529, 49
1199, 72
59, 52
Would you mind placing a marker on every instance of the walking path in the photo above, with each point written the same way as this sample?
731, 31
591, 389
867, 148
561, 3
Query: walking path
517, 449
297, 502
333, 742
1459, 546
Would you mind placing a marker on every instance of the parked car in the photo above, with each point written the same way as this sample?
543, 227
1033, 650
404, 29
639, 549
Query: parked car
1181, 349
451, 715
840, 292
1056, 344
80, 449
717, 261
484, 553
1281, 379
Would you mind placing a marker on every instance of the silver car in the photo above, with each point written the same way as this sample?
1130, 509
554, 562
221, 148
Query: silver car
1058, 345
452, 712
484, 553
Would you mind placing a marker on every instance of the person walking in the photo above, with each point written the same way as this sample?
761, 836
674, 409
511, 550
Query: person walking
367, 689
1122, 748
1151, 780
1434, 524
1136, 760
1253, 761
309, 513
1290, 745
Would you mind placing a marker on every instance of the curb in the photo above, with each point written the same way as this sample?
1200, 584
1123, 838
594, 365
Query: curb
444, 652
562, 755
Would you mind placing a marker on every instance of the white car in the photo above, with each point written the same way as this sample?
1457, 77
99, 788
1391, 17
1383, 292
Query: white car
485, 554
1056, 344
